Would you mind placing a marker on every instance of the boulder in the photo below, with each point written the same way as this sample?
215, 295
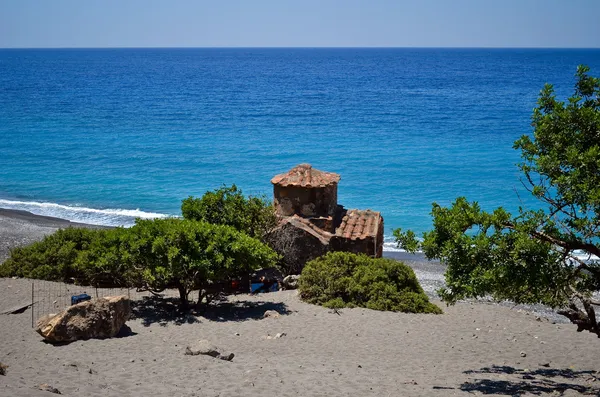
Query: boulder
204, 347
298, 241
98, 318
291, 281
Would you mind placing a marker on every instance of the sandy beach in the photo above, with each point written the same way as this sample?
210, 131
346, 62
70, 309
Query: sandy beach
474, 348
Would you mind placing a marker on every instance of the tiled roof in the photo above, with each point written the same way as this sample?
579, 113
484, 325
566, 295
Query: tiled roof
304, 175
359, 224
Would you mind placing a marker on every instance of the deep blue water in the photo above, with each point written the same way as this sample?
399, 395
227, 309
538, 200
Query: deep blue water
111, 130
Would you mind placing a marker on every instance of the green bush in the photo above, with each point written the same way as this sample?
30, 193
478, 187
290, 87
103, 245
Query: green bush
342, 279
104, 263
254, 216
53, 258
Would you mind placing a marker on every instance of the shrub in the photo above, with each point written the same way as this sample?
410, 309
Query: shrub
188, 255
53, 258
254, 216
103, 262
342, 279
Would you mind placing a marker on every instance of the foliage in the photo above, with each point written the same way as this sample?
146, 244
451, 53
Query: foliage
53, 258
153, 254
188, 254
103, 262
254, 216
535, 256
342, 279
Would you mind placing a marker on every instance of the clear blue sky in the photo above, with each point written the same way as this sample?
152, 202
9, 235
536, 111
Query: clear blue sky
303, 23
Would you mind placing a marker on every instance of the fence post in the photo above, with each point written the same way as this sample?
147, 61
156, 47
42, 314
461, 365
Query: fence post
32, 301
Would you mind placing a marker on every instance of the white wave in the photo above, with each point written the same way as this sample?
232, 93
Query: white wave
389, 246
93, 216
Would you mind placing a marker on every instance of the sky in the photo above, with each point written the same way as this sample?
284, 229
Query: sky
299, 23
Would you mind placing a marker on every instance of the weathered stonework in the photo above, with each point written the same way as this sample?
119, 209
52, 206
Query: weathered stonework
312, 222
306, 192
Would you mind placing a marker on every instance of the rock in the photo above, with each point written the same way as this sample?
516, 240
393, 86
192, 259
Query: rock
298, 241
291, 281
204, 347
523, 354
98, 318
271, 314
277, 336
47, 387
3, 369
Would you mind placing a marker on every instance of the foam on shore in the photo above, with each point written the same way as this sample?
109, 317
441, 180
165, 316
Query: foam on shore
92, 216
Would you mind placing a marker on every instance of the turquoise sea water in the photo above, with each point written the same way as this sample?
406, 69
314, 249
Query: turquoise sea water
103, 136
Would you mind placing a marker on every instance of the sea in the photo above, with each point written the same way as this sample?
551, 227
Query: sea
105, 136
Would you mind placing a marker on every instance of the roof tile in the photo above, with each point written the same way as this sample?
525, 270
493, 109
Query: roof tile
303, 175
359, 224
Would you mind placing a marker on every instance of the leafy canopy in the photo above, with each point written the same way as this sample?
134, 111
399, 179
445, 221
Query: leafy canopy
254, 216
540, 256
342, 279
60, 256
189, 254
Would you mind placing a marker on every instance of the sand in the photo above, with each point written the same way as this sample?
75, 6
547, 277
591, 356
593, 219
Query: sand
472, 349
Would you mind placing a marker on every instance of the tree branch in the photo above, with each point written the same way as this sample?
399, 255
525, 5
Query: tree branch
567, 245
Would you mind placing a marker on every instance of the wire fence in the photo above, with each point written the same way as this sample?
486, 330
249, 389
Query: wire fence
49, 297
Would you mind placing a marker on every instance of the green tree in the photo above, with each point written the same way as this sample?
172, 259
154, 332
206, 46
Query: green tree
190, 255
544, 256
343, 279
254, 216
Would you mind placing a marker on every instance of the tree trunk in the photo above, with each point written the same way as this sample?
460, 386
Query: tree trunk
183, 297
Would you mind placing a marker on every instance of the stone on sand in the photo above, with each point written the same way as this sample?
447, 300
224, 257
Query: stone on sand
99, 318
291, 281
277, 336
47, 387
204, 347
271, 314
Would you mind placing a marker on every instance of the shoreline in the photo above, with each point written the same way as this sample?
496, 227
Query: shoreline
43, 220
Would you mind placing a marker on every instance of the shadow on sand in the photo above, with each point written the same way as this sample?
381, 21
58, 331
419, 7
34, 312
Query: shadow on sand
165, 311
540, 381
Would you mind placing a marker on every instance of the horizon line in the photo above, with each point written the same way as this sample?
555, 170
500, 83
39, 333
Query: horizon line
305, 47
